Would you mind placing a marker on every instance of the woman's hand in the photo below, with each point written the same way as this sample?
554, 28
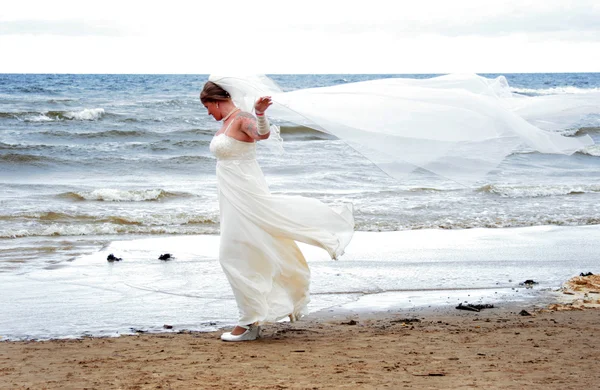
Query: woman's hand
262, 104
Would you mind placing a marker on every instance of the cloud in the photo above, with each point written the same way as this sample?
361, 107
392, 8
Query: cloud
331, 36
558, 20
73, 28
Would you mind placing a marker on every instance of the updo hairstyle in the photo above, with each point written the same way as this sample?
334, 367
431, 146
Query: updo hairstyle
212, 93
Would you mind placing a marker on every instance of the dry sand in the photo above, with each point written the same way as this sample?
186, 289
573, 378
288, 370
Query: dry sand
557, 347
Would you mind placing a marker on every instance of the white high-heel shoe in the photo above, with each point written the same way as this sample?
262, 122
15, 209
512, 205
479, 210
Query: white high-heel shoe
252, 333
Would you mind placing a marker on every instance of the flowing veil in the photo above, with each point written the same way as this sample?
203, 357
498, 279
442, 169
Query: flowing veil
459, 127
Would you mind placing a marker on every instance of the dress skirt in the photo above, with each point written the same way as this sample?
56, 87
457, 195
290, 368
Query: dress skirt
267, 271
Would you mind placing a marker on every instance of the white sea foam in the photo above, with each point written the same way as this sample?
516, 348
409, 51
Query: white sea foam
555, 91
116, 195
88, 114
39, 118
592, 150
103, 229
538, 191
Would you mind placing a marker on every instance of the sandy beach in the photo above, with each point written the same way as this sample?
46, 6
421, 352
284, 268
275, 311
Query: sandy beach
550, 347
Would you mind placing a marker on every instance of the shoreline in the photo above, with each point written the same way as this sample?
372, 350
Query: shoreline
381, 271
552, 346
496, 348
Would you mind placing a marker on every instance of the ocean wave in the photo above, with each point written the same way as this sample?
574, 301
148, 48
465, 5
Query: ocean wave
37, 118
191, 143
104, 229
508, 191
475, 223
53, 223
193, 132
163, 145
592, 150
426, 189
87, 114
15, 158
143, 219
116, 195
142, 134
59, 217
99, 134
34, 89
189, 159
60, 101
88, 226
586, 130
14, 115
4, 146
65, 224
566, 90
169, 103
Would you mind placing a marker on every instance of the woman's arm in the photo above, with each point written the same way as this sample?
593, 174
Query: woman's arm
257, 129
249, 125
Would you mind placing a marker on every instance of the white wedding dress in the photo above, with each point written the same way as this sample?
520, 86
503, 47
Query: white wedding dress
267, 271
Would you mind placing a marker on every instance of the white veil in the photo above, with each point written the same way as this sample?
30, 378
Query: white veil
457, 126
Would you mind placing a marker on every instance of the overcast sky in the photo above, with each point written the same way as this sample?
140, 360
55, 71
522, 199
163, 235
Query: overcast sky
300, 36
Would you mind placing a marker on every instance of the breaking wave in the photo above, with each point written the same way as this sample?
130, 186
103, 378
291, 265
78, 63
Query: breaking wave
88, 114
116, 195
565, 90
537, 191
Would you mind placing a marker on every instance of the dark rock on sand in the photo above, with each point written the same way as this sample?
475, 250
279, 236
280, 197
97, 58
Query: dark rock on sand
406, 320
471, 307
111, 258
524, 313
528, 283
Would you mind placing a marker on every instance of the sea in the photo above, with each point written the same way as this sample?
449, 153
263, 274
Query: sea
98, 164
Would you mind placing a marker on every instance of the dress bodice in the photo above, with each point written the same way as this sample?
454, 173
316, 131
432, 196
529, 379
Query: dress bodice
225, 147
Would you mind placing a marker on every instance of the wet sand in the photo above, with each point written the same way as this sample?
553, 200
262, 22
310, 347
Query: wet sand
557, 346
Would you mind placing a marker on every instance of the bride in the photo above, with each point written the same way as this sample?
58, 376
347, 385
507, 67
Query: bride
458, 127
267, 272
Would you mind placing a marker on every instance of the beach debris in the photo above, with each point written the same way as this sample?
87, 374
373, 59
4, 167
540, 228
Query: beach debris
168, 326
467, 307
474, 307
524, 313
428, 374
165, 257
351, 322
582, 284
112, 258
528, 283
406, 320
586, 274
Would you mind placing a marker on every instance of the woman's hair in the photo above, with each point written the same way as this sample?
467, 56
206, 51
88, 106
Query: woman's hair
213, 93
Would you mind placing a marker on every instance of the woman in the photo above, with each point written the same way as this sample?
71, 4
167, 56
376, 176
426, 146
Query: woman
267, 272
